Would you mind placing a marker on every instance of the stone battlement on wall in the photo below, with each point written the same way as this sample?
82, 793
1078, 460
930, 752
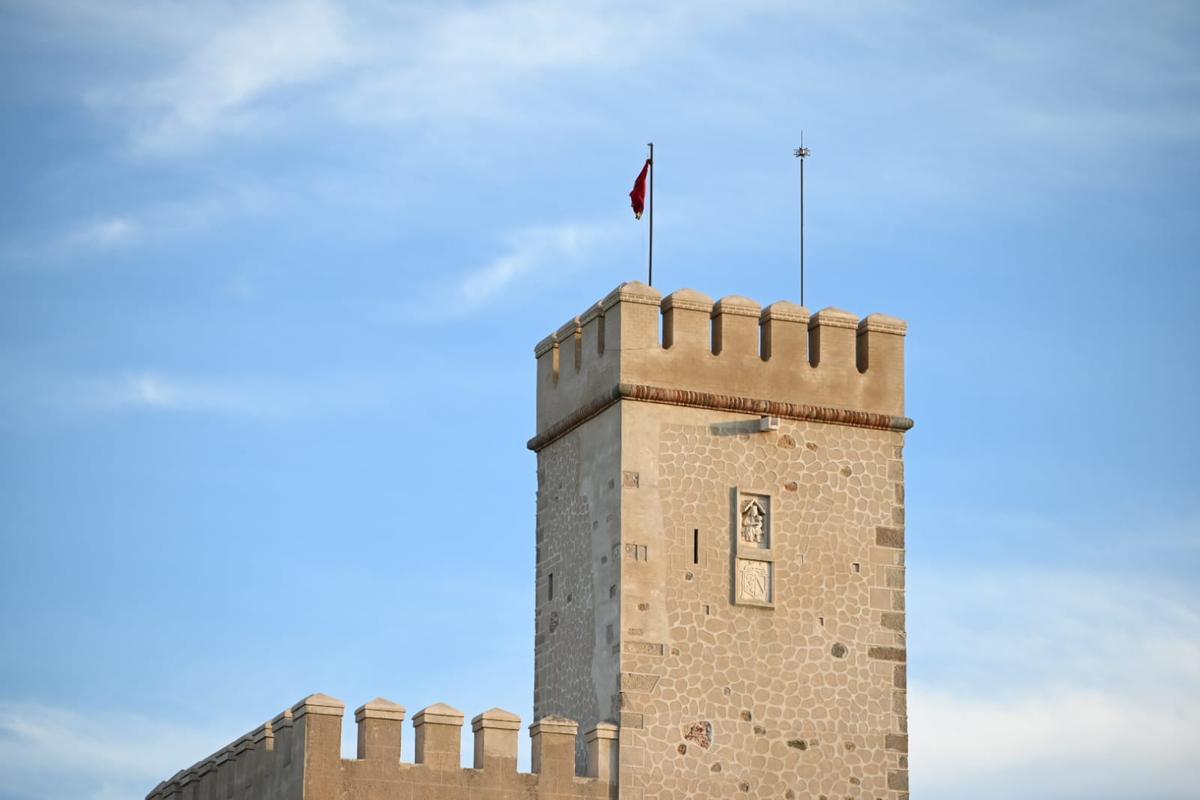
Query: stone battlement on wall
730, 349
298, 755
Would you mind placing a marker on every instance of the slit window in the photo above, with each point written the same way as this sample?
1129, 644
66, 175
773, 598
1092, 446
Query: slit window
696, 546
550, 587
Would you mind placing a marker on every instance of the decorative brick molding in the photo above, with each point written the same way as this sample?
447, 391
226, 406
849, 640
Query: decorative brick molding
717, 402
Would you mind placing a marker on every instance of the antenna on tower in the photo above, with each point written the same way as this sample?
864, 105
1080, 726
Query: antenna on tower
801, 153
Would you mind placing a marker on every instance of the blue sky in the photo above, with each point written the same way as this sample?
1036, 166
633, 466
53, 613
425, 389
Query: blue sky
271, 274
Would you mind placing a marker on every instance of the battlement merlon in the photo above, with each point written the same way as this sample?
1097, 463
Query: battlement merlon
730, 354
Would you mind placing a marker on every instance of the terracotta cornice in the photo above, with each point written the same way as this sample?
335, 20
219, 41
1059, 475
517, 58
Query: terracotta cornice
717, 402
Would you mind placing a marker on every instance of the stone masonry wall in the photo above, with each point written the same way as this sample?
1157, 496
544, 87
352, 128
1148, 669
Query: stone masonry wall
805, 699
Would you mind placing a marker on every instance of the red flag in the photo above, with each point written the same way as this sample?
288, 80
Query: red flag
637, 197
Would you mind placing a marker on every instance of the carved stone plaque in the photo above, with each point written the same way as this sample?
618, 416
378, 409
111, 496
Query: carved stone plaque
753, 537
754, 581
754, 521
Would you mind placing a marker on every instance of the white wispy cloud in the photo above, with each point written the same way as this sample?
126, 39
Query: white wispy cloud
32, 397
995, 90
220, 83
103, 234
529, 251
230, 69
146, 226
537, 254
36, 398
1060, 742
1053, 684
477, 60
51, 753
151, 391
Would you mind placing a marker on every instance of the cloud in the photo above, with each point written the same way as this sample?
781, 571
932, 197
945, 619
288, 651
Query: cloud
473, 61
49, 753
231, 69
103, 234
154, 392
1058, 684
39, 397
531, 250
226, 69
32, 397
222, 82
545, 253
147, 226
1060, 742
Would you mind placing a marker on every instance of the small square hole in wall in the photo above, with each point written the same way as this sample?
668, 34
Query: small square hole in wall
821, 621
857, 566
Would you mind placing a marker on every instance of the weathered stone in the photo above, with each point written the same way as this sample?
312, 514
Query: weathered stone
887, 653
886, 536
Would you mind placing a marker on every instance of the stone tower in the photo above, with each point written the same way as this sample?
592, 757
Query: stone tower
720, 534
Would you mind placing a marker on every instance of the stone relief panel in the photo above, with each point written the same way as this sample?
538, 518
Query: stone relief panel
755, 521
754, 581
752, 535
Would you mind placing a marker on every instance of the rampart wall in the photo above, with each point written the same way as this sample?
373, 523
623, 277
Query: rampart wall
297, 756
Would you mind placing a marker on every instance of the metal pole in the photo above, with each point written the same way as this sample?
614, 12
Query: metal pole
650, 257
802, 231
801, 152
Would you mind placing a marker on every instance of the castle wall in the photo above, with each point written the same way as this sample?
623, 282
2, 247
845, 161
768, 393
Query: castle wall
298, 756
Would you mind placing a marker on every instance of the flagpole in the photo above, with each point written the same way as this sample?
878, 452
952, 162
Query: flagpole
801, 152
650, 256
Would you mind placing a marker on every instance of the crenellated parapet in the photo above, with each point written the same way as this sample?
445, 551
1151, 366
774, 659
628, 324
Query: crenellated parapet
687, 349
298, 756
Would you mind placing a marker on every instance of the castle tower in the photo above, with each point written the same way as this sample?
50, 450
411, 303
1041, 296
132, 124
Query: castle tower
720, 534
